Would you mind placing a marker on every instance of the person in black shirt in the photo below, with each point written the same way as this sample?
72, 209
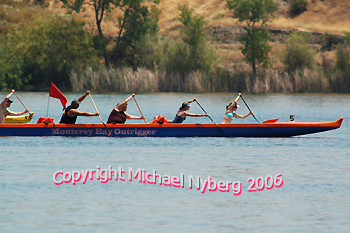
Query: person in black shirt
71, 113
182, 112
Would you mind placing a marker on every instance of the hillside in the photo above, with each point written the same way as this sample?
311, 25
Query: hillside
323, 16
327, 16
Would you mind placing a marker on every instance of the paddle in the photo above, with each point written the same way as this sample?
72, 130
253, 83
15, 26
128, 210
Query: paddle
22, 103
139, 109
210, 117
249, 108
97, 111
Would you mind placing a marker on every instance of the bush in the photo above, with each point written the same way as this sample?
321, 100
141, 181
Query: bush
298, 55
46, 49
297, 7
347, 38
10, 66
193, 33
343, 58
329, 42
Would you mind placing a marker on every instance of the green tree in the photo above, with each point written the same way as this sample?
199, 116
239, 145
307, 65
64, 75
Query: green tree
136, 25
193, 32
100, 8
299, 55
297, 7
343, 54
256, 14
47, 49
10, 66
342, 80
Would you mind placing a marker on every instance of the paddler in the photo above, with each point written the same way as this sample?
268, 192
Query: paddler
6, 103
230, 108
182, 112
71, 113
118, 114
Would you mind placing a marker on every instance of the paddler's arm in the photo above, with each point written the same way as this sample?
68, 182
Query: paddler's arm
84, 96
243, 116
190, 101
120, 105
239, 95
230, 108
195, 115
127, 99
74, 112
7, 97
131, 117
10, 113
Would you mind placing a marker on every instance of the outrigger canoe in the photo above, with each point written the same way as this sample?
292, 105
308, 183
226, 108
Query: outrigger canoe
19, 119
270, 128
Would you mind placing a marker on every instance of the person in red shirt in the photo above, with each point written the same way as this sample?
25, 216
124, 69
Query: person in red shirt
118, 114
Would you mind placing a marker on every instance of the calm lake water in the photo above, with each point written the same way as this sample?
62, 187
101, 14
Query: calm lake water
314, 196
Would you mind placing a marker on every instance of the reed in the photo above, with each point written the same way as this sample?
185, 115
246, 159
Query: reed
238, 80
113, 80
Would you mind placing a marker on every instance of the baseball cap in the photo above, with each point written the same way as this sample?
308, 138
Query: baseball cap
75, 101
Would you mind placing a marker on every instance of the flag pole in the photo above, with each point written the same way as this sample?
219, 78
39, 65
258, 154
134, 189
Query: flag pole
48, 104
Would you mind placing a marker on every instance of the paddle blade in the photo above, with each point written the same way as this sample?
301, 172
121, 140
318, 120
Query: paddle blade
271, 120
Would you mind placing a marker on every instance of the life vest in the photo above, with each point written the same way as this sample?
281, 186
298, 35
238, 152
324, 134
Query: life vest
45, 120
160, 120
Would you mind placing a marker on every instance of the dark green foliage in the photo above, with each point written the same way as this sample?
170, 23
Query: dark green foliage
256, 14
297, 7
10, 67
255, 47
190, 53
46, 49
145, 52
193, 33
343, 58
79, 5
347, 38
340, 82
177, 57
100, 7
329, 41
137, 25
299, 55
252, 11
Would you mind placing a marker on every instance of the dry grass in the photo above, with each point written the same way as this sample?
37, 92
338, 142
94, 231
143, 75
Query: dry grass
326, 16
239, 80
330, 16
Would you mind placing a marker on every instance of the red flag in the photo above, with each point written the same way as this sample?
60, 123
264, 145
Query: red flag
56, 93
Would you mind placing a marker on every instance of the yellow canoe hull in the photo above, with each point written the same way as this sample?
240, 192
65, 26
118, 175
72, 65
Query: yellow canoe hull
19, 119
